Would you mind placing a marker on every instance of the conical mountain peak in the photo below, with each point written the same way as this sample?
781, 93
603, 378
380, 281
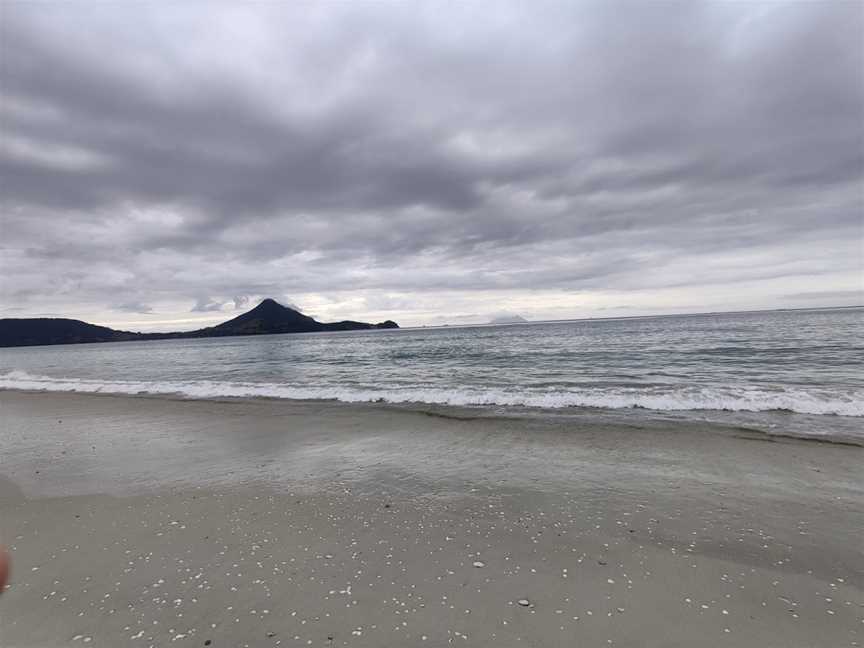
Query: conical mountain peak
271, 315
269, 306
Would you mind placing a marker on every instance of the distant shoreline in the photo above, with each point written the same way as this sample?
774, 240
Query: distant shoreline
630, 317
267, 318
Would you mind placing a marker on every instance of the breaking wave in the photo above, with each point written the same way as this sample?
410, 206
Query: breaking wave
677, 398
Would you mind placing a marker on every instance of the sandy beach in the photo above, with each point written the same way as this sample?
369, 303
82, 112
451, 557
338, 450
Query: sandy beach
156, 522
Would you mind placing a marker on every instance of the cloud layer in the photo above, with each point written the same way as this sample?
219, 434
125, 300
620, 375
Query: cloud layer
429, 159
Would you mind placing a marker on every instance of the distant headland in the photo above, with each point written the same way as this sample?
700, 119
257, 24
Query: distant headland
266, 318
508, 318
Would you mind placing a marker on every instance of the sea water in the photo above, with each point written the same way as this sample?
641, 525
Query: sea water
787, 372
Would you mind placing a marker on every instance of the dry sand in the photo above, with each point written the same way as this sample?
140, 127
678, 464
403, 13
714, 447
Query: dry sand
152, 522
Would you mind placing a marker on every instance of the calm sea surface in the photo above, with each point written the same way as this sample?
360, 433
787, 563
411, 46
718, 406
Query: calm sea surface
791, 372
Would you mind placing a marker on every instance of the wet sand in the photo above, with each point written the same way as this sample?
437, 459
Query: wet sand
155, 522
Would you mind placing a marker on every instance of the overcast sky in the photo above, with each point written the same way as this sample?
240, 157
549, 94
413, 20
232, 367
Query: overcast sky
164, 165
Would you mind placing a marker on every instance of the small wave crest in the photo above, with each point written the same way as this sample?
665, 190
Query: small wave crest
682, 398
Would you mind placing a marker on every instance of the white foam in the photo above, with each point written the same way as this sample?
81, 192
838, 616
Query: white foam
682, 398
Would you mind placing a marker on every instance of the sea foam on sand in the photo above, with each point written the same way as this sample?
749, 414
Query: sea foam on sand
817, 401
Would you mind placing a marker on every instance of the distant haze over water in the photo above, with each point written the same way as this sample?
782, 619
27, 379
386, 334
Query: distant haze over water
789, 371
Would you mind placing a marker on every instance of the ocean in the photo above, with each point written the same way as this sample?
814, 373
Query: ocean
798, 373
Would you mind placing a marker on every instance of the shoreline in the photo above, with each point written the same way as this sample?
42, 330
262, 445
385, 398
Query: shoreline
360, 525
615, 415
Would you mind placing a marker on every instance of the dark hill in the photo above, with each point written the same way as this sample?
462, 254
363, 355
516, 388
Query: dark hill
268, 317
29, 332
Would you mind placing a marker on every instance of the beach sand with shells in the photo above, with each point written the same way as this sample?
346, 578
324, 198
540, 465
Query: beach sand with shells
157, 522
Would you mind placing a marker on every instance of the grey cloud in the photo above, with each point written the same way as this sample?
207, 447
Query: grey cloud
830, 294
573, 146
133, 307
206, 305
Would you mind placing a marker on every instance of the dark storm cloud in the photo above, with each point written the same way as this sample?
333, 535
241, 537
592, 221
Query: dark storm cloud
405, 147
220, 152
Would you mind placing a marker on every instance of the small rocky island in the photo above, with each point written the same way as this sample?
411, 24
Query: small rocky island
267, 318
